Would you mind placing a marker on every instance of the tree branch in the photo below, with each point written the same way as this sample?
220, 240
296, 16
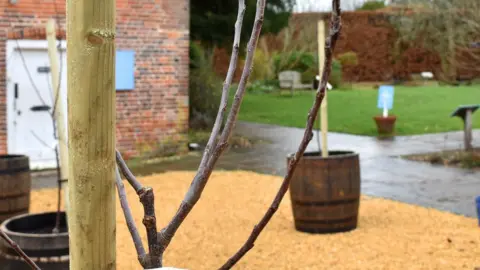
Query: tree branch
127, 173
20, 252
201, 178
226, 86
335, 26
137, 240
154, 257
158, 242
149, 220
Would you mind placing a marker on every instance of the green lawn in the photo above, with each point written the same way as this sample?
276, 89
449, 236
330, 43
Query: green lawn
419, 110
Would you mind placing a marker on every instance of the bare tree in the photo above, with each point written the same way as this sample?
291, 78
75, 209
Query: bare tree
320, 6
449, 28
158, 241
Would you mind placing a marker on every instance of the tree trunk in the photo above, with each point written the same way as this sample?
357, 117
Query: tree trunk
91, 129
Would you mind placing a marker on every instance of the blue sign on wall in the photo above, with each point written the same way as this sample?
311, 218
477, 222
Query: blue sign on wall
125, 70
385, 97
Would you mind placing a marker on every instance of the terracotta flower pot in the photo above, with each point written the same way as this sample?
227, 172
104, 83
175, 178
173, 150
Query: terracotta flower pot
385, 125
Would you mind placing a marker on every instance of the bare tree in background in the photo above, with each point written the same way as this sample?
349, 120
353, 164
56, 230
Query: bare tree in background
158, 241
323, 6
450, 28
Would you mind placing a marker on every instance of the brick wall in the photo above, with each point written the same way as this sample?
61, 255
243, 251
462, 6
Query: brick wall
152, 117
370, 35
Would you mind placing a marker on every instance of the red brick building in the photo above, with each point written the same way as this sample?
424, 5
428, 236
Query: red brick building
152, 117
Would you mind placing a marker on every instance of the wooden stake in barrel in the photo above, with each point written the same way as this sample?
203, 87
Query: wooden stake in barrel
323, 107
91, 130
325, 192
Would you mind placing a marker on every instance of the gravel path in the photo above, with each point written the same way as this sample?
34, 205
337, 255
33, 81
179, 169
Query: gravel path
391, 235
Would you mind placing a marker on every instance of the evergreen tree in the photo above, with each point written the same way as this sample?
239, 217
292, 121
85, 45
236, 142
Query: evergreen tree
212, 22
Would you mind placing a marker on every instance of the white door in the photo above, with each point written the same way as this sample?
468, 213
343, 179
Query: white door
30, 127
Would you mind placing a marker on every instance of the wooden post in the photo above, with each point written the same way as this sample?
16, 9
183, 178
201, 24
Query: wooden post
58, 104
468, 130
91, 133
323, 107
291, 88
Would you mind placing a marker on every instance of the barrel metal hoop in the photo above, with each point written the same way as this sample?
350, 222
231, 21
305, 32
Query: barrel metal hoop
328, 221
14, 170
17, 196
64, 258
314, 203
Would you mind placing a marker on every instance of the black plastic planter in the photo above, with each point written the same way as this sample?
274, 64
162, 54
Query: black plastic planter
33, 233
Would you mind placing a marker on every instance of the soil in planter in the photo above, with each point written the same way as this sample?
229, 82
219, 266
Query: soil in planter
41, 225
390, 235
452, 158
44, 230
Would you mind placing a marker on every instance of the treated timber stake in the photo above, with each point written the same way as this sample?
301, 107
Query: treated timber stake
323, 107
91, 129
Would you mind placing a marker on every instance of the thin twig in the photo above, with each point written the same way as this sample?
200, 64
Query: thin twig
226, 86
127, 173
137, 240
40, 140
247, 70
203, 174
47, 77
335, 26
20, 252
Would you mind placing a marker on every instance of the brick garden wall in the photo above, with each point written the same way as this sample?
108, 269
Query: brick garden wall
372, 38
152, 117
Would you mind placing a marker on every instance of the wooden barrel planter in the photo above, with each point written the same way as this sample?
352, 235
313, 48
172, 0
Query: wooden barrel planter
33, 233
15, 185
325, 192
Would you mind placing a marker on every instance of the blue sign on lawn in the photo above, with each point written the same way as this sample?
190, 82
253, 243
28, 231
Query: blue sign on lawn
385, 97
